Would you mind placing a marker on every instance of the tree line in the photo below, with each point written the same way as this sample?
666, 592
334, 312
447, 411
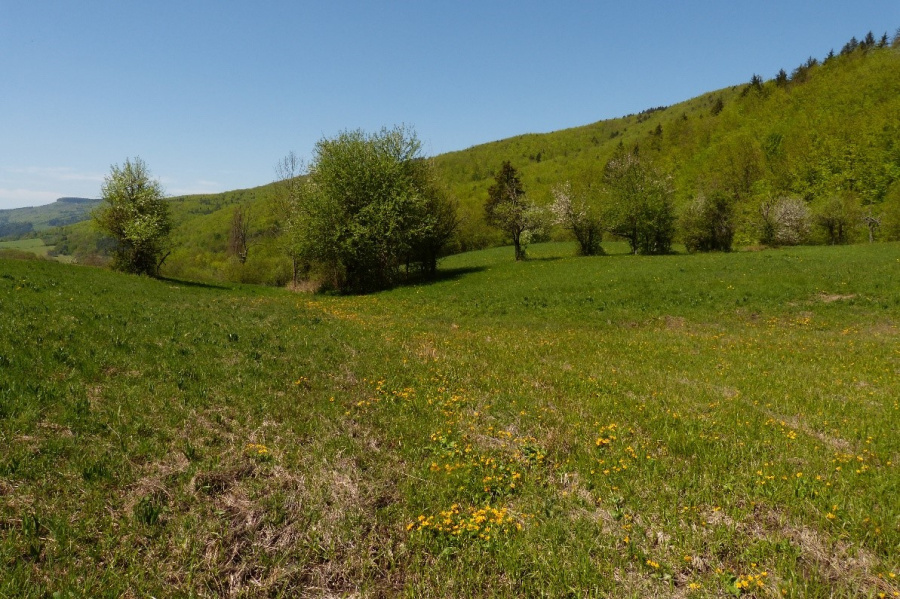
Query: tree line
369, 212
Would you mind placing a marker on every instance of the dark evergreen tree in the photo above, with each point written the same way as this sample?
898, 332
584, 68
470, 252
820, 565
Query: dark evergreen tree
508, 209
869, 42
781, 79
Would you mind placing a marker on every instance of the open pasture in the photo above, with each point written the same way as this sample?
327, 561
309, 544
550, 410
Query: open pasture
686, 426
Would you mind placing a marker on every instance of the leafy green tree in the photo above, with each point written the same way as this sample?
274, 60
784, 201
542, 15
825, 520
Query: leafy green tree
136, 215
836, 218
639, 204
369, 211
576, 212
289, 212
509, 210
708, 223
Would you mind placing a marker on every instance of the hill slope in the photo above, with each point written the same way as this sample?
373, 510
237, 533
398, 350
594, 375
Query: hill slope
832, 128
20, 221
829, 130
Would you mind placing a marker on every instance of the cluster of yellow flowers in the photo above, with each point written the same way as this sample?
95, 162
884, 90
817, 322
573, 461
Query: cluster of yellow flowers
482, 523
257, 450
606, 436
379, 394
748, 581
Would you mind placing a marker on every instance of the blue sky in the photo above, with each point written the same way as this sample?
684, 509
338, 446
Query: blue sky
211, 94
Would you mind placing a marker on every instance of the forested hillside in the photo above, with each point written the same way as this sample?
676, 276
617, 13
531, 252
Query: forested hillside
824, 133
830, 128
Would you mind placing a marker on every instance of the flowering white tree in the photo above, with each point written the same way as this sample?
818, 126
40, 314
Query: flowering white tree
785, 222
574, 212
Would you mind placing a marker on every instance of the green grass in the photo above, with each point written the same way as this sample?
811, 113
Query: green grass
613, 426
22, 247
35, 246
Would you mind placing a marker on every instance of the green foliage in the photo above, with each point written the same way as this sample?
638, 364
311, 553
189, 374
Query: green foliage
134, 213
639, 205
837, 217
708, 223
579, 213
833, 133
508, 209
369, 208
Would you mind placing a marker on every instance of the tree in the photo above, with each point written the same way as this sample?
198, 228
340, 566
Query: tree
575, 212
509, 210
639, 204
835, 218
781, 79
288, 210
368, 208
784, 222
708, 223
136, 215
872, 222
239, 235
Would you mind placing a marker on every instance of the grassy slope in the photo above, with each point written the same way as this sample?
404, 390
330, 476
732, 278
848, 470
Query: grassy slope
625, 425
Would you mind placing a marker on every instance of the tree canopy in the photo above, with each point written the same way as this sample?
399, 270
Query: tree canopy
639, 204
136, 215
370, 210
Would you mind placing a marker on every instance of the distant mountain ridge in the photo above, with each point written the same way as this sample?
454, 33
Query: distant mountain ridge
16, 222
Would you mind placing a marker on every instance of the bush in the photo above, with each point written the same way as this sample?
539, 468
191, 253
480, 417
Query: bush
784, 222
708, 223
369, 212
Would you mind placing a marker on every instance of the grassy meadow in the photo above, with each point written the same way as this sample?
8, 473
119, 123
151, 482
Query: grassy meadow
679, 426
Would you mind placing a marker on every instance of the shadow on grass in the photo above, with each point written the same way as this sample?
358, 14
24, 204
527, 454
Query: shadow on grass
547, 258
442, 275
183, 283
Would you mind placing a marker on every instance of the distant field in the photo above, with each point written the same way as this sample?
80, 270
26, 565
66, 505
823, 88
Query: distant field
675, 426
34, 246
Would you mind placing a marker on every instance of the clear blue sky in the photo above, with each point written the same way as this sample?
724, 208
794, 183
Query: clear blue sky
211, 94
